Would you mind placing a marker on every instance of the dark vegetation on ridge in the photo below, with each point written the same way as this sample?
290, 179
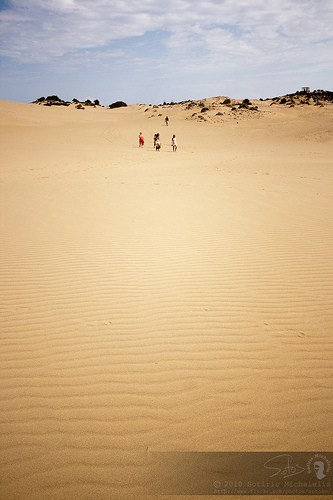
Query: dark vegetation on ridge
218, 108
54, 100
299, 97
202, 107
316, 97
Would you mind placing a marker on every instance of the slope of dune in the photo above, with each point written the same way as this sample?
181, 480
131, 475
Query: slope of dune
160, 301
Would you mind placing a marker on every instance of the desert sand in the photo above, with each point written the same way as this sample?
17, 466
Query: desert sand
160, 301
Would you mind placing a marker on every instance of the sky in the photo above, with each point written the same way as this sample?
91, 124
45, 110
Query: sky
148, 51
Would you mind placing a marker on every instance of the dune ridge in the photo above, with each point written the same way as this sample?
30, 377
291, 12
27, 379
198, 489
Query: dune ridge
160, 301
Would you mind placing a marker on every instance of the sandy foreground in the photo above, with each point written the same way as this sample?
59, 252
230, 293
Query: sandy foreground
160, 301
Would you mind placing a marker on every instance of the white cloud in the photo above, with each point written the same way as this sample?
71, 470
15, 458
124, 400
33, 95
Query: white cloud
39, 29
180, 36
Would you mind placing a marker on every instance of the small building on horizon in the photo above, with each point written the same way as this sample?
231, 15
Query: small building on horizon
306, 89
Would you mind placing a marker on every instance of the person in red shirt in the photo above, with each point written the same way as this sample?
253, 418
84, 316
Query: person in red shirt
141, 140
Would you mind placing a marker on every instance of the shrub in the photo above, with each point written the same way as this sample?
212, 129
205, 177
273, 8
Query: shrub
117, 104
226, 101
190, 105
53, 98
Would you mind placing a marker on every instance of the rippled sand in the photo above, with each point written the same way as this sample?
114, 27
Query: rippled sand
160, 301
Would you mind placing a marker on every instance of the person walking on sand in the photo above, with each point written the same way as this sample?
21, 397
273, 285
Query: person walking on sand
174, 143
158, 143
141, 140
166, 120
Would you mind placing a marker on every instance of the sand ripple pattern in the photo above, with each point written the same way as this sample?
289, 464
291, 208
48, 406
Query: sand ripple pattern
152, 311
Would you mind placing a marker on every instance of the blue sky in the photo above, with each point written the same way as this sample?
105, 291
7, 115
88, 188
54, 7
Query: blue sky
148, 51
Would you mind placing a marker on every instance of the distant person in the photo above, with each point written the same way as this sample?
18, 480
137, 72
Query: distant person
174, 143
156, 136
141, 140
158, 143
166, 120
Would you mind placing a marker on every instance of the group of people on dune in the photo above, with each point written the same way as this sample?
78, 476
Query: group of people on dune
157, 142
157, 139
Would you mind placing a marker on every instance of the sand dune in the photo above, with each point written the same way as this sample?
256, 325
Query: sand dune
160, 301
